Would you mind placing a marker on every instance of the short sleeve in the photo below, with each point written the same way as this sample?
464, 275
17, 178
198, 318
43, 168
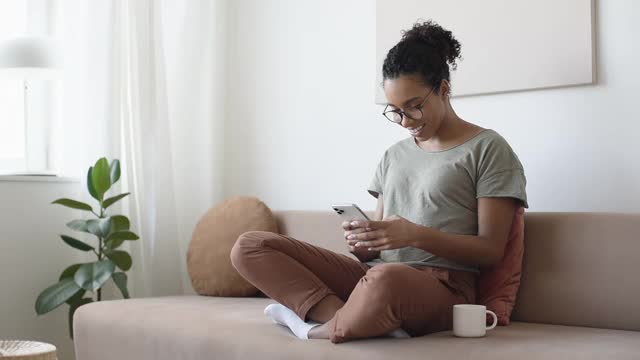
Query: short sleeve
500, 173
377, 183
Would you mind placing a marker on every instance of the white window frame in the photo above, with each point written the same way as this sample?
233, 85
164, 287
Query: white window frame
38, 105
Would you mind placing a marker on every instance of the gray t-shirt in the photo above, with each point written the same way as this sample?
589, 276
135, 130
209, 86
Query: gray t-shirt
440, 189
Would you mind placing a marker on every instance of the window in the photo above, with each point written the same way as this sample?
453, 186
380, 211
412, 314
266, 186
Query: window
23, 120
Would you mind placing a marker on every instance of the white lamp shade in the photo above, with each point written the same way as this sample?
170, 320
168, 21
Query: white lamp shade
28, 57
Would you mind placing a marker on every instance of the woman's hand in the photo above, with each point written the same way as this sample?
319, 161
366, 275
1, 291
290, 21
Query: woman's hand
362, 254
351, 228
393, 232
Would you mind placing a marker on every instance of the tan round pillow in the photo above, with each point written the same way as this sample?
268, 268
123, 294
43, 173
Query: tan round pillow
208, 259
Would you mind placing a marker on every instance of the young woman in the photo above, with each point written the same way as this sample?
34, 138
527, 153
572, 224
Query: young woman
448, 195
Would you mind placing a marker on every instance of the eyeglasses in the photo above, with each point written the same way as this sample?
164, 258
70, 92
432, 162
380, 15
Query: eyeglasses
413, 113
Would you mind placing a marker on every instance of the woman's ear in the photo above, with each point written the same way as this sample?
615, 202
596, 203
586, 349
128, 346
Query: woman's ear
445, 89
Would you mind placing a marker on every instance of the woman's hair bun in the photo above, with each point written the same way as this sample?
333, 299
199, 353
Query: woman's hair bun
426, 50
434, 36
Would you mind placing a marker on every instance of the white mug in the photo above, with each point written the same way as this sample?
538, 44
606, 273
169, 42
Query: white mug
471, 320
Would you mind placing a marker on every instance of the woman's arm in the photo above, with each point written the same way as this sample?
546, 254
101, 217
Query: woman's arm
495, 216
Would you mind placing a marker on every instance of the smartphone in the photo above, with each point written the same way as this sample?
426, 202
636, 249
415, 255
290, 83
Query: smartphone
349, 212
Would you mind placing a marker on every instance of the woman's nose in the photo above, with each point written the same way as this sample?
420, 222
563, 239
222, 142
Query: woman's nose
406, 122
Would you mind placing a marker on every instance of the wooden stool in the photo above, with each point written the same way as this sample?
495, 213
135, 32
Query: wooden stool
26, 350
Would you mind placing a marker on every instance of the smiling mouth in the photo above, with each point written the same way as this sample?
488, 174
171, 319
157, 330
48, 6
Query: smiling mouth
415, 131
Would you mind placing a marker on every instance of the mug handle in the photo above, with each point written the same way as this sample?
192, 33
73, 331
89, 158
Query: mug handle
495, 320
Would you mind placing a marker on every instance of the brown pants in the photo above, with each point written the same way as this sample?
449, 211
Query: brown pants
378, 299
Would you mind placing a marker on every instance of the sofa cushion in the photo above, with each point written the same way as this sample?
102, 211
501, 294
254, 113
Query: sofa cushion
215, 234
580, 269
199, 327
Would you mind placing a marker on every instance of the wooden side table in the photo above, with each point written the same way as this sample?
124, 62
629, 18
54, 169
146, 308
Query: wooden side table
26, 350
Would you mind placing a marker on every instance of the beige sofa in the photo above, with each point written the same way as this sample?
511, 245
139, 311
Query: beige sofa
579, 299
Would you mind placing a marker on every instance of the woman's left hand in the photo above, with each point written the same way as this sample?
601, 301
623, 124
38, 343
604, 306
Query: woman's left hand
393, 232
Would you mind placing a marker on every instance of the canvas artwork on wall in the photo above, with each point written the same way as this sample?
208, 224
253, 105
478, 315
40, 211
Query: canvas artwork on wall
507, 45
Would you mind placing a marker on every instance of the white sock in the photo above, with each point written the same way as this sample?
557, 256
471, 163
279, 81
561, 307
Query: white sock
282, 315
399, 333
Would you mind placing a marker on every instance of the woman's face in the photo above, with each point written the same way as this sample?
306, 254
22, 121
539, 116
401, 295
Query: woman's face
407, 93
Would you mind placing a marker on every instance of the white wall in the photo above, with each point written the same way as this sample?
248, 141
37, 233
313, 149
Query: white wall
32, 256
304, 130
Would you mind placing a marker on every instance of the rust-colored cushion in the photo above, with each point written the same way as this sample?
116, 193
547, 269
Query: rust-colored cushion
496, 287
215, 234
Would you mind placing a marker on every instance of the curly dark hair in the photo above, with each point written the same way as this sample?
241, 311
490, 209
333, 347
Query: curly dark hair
426, 50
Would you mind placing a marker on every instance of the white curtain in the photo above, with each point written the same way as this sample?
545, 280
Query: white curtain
164, 99
170, 116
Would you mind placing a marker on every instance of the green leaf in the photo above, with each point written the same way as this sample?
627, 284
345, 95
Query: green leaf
55, 295
77, 296
122, 235
99, 227
116, 238
120, 279
113, 244
115, 171
78, 225
75, 243
73, 204
110, 201
121, 258
90, 187
72, 309
93, 275
69, 271
119, 223
101, 177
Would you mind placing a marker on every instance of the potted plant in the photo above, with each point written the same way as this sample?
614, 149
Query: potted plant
111, 232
